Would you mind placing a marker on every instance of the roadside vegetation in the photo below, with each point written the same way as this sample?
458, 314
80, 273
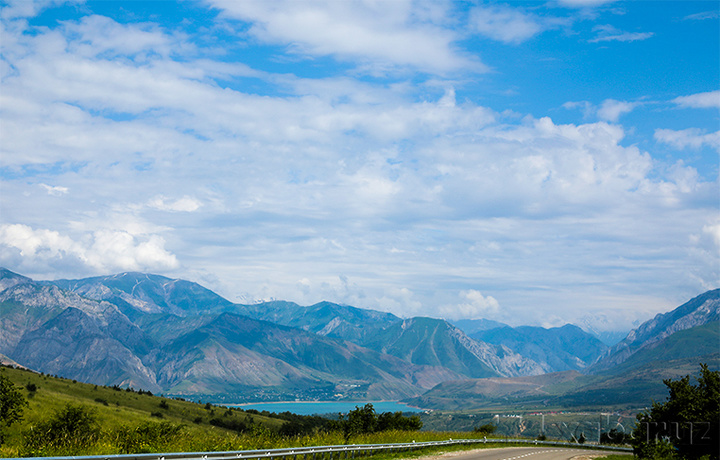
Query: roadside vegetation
42, 416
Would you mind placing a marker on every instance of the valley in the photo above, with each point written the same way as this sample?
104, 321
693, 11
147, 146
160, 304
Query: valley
178, 338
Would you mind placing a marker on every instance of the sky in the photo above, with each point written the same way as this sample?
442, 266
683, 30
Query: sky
535, 163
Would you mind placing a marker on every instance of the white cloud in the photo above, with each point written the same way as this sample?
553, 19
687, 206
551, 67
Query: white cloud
381, 33
15, 9
474, 306
102, 251
584, 3
184, 204
708, 100
504, 24
608, 33
611, 110
379, 193
55, 190
713, 14
691, 137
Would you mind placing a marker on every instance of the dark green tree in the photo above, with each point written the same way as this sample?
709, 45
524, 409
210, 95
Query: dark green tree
397, 421
687, 425
366, 420
486, 429
615, 436
12, 404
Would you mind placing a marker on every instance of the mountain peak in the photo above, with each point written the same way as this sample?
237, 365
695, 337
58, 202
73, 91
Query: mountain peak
9, 279
698, 311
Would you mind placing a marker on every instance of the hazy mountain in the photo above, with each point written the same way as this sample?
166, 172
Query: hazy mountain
167, 335
75, 345
325, 318
471, 326
137, 294
703, 309
59, 331
633, 383
232, 351
424, 341
438, 343
555, 349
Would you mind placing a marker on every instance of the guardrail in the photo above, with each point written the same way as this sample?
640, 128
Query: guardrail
326, 452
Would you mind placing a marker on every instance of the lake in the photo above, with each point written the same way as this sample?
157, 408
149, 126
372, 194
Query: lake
325, 407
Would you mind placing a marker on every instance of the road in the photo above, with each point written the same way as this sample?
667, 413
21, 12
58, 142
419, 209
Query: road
528, 453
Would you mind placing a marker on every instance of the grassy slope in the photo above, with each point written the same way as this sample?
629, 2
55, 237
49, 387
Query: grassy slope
113, 408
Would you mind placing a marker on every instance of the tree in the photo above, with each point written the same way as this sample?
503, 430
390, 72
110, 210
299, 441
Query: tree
365, 420
486, 429
615, 436
686, 425
12, 403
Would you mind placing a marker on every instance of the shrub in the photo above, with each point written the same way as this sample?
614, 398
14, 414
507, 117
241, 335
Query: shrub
72, 427
146, 437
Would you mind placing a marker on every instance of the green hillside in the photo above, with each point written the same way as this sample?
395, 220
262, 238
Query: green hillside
116, 408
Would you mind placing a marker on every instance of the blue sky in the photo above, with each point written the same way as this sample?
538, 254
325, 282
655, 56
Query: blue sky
529, 162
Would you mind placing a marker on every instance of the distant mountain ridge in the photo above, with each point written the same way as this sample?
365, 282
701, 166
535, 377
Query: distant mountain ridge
700, 310
175, 336
669, 346
556, 349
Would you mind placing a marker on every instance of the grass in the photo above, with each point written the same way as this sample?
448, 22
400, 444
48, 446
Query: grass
133, 422
128, 415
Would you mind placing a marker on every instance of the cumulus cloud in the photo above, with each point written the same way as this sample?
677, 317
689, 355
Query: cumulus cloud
708, 100
382, 33
611, 110
102, 251
505, 24
412, 192
474, 306
14, 9
688, 138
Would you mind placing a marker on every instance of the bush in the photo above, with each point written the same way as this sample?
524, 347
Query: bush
230, 424
146, 437
72, 427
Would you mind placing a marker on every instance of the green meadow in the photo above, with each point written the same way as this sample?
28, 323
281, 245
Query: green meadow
115, 421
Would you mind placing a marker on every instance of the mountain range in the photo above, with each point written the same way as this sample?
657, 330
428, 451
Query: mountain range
177, 337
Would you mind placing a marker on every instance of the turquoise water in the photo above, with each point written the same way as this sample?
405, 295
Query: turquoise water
326, 407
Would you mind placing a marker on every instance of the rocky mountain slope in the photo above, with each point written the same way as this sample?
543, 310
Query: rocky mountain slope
174, 336
669, 346
700, 310
555, 349
168, 348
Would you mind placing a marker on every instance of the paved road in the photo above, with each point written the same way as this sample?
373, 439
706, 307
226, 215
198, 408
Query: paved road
529, 453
